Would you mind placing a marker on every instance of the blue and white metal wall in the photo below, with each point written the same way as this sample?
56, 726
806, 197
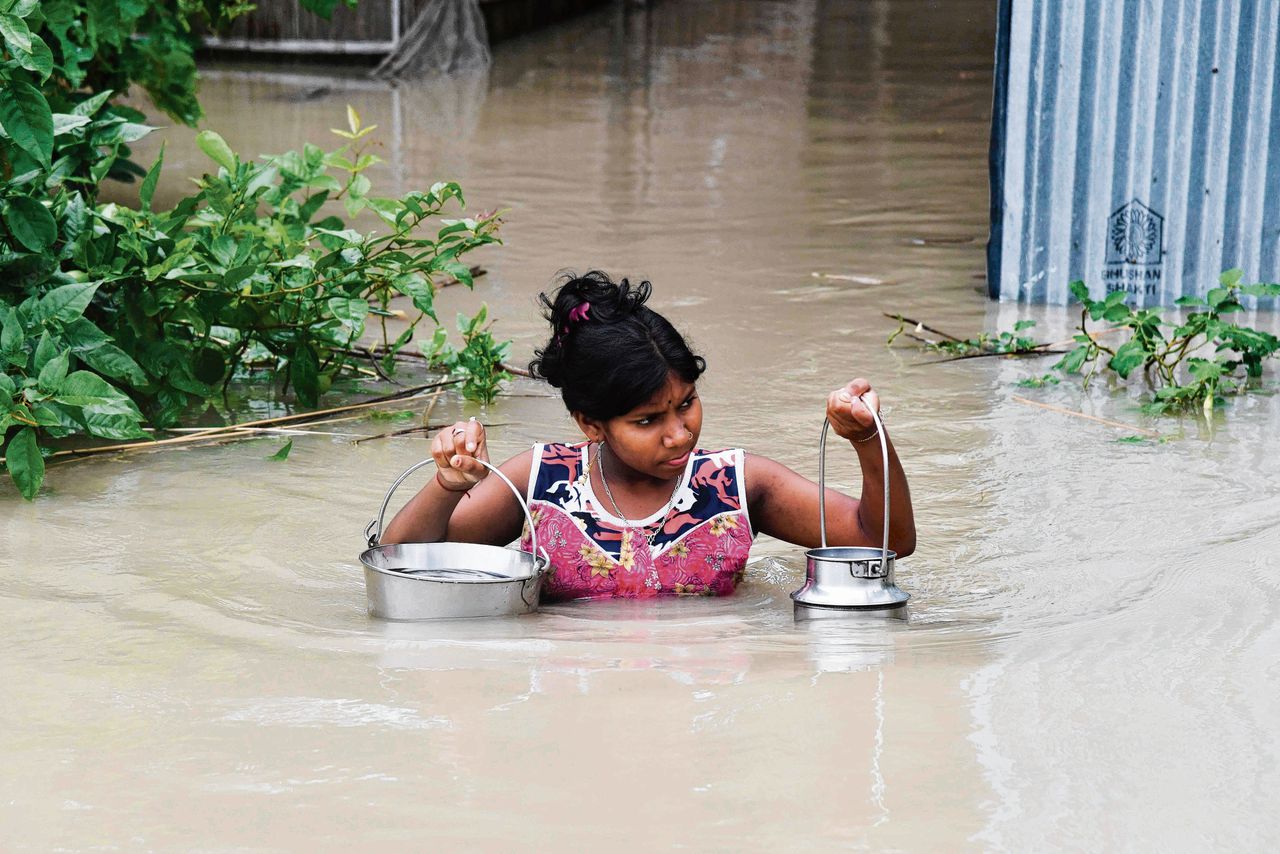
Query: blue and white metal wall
1136, 145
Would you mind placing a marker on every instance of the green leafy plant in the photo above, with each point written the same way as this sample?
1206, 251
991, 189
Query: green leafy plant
1195, 362
108, 313
42, 343
479, 361
252, 266
252, 269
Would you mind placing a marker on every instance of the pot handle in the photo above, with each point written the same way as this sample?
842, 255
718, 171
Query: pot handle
373, 531
822, 476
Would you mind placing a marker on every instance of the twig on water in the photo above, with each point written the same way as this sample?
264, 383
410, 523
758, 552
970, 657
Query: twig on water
377, 350
418, 428
918, 325
283, 431
219, 433
1035, 351
431, 405
377, 366
1062, 411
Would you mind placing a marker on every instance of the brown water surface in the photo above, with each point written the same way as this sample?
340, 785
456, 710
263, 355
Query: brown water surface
1091, 659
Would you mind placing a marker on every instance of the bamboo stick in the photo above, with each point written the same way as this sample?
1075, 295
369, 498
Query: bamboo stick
1108, 422
218, 432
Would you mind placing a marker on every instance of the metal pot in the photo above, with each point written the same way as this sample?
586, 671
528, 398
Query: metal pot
435, 581
849, 578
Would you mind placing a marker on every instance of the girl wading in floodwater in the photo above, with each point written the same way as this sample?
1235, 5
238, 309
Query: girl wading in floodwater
639, 509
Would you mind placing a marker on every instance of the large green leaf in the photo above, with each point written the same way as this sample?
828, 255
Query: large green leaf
81, 335
66, 303
105, 426
26, 466
54, 372
38, 59
216, 148
92, 104
75, 222
1073, 361
111, 360
352, 312
1128, 356
46, 349
27, 119
417, 288
30, 223
1263, 290
11, 335
94, 394
1216, 296
65, 123
1205, 369
17, 35
148, 189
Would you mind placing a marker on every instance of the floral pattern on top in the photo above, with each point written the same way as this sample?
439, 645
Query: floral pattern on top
700, 549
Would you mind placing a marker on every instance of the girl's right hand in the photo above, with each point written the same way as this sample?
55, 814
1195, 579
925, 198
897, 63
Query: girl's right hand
455, 450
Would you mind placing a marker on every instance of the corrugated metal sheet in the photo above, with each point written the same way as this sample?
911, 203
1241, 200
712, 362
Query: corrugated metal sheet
1135, 145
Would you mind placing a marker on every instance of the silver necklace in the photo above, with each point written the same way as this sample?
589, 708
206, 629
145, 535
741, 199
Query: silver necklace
666, 510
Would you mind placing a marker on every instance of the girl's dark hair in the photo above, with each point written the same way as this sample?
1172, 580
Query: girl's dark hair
613, 355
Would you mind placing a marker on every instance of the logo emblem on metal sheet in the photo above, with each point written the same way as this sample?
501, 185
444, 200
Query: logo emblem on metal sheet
1135, 235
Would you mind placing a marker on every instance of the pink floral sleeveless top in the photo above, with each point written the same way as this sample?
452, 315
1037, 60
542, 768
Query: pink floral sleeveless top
699, 548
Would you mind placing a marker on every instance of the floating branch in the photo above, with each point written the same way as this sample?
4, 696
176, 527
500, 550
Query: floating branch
1108, 422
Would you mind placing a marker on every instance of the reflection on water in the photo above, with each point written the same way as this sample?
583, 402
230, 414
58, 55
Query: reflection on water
1092, 627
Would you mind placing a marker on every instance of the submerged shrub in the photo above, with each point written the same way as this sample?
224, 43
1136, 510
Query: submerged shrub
170, 305
1190, 363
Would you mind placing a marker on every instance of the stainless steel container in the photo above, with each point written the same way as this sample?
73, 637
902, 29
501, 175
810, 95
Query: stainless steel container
435, 581
849, 578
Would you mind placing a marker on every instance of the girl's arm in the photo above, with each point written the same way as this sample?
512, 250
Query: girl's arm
784, 504
468, 506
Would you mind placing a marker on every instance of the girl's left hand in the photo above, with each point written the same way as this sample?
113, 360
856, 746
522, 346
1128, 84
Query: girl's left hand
848, 415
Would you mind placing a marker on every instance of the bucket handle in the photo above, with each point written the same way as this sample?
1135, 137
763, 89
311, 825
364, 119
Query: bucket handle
822, 478
373, 531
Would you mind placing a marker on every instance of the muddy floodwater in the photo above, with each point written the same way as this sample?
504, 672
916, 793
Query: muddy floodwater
1091, 660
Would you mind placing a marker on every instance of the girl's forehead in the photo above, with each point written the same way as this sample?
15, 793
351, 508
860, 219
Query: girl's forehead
672, 394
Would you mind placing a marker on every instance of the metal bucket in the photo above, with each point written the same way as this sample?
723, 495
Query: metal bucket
849, 579
440, 581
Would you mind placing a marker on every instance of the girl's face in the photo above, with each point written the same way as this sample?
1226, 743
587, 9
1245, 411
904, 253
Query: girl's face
656, 437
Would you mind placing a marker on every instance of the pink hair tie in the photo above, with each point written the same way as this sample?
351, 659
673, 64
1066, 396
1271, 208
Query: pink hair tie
578, 315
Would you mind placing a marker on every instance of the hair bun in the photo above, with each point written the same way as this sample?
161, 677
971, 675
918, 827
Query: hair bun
590, 298
609, 352
609, 301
